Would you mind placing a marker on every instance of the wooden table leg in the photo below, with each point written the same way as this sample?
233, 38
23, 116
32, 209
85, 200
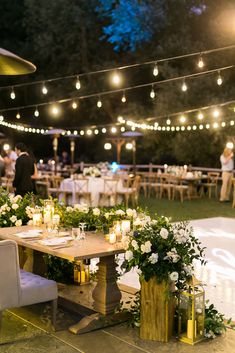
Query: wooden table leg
106, 297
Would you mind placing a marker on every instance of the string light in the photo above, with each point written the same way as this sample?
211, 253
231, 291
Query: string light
12, 95
182, 119
152, 93
129, 146
18, 115
116, 78
200, 63
200, 116
121, 120
219, 79
36, 112
107, 146
44, 89
96, 131
89, 132
55, 110
168, 121
74, 105
184, 87
123, 97
104, 130
155, 70
78, 83
123, 129
99, 103
82, 132
216, 113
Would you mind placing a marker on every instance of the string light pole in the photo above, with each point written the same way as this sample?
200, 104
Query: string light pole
55, 133
132, 135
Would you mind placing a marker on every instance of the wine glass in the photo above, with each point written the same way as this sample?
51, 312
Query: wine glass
82, 235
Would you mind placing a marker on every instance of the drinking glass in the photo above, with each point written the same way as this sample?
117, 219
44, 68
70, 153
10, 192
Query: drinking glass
76, 233
82, 235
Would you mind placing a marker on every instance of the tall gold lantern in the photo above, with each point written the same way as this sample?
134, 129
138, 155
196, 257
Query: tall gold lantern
192, 313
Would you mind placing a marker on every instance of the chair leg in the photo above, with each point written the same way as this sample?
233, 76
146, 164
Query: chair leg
53, 312
1, 320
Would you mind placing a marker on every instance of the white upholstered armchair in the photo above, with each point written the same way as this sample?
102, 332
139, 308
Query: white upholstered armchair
21, 288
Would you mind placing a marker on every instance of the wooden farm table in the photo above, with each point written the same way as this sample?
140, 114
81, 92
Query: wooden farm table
106, 294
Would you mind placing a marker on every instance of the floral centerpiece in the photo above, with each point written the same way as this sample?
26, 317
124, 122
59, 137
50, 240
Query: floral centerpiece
92, 171
163, 254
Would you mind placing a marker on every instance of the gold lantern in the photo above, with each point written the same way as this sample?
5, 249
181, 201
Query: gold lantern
81, 272
192, 312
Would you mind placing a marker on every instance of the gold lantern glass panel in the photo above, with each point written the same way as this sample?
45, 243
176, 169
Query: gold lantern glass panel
192, 313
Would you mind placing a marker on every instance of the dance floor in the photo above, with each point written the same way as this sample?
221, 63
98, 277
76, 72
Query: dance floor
218, 236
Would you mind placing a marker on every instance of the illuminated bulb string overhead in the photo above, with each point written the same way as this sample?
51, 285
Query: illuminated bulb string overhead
12, 95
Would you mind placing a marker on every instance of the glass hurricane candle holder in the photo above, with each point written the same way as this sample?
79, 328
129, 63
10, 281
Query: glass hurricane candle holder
48, 211
37, 218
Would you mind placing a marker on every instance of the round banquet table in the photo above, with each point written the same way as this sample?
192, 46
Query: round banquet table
95, 186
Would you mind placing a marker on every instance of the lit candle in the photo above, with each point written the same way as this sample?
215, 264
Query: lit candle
112, 238
185, 167
126, 226
190, 329
37, 219
46, 216
56, 219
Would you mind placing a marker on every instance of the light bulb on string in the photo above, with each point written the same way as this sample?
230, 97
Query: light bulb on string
123, 98
36, 112
44, 89
200, 116
74, 105
99, 103
113, 130
182, 119
55, 110
200, 63
155, 70
116, 78
78, 83
152, 93
219, 79
168, 122
12, 95
184, 87
107, 146
216, 113
18, 115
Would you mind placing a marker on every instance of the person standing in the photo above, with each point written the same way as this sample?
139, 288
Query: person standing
227, 165
24, 169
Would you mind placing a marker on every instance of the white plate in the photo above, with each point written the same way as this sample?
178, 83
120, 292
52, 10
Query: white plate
25, 235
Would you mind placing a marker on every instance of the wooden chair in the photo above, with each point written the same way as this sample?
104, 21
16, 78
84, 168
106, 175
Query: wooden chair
42, 188
181, 189
20, 288
7, 183
131, 191
109, 194
166, 184
211, 184
81, 191
54, 186
144, 182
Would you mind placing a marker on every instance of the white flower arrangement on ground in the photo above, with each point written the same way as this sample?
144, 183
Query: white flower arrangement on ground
162, 250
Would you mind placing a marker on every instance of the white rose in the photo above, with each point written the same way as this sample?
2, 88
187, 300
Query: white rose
125, 242
15, 206
13, 219
135, 244
129, 212
138, 271
153, 258
8, 208
96, 211
30, 223
174, 276
18, 223
16, 198
107, 215
128, 255
164, 233
120, 213
69, 209
146, 247
138, 222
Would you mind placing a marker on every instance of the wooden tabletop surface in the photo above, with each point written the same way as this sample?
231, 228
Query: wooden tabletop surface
93, 246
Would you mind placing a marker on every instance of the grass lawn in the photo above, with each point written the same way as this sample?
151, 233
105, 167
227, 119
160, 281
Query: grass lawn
194, 209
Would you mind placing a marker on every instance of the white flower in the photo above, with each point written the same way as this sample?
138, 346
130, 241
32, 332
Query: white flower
135, 244
128, 255
173, 255
13, 219
174, 276
15, 206
18, 223
69, 209
80, 207
188, 269
16, 198
125, 242
131, 213
164, 233
120, 213
107, 215
138, 271
30, 222
153, 258
146, 247
138, 223
8, 208
96, 211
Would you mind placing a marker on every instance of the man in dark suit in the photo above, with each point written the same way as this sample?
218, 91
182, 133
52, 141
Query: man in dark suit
24, 168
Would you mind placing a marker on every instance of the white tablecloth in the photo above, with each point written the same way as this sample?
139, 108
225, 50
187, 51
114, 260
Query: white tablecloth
95, 186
